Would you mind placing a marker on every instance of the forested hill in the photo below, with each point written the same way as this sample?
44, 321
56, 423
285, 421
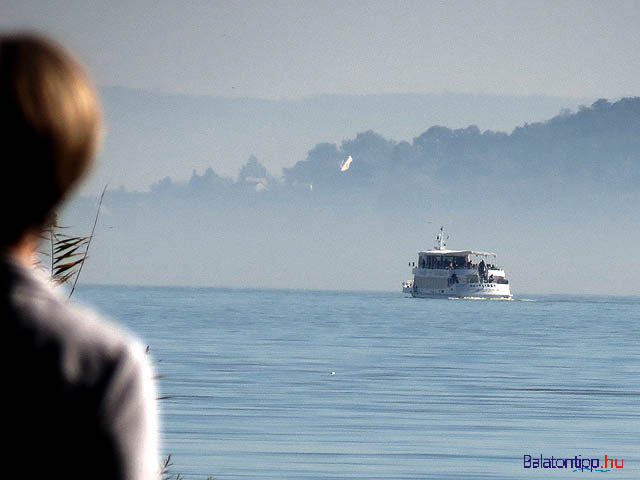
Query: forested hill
599, 143
152, 134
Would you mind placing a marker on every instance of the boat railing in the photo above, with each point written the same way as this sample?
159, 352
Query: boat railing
469, 266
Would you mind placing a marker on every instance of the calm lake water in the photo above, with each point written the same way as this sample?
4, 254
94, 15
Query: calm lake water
422, 388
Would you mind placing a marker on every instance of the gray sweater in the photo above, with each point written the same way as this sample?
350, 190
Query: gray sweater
79, 400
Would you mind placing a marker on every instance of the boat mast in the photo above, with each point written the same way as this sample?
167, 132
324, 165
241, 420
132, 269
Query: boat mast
440, 239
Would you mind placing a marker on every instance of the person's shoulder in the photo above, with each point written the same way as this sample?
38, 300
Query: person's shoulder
80, 375
86, 346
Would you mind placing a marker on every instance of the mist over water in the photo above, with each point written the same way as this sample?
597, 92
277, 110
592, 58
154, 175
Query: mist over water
547, 243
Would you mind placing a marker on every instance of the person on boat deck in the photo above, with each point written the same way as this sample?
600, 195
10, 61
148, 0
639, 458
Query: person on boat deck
482, 269
79, 397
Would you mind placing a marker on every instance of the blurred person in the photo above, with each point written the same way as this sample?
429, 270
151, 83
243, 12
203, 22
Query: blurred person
79, 397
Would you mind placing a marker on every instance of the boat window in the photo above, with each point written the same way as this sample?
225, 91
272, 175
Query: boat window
443, 261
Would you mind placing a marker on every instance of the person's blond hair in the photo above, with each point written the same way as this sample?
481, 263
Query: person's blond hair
50, 127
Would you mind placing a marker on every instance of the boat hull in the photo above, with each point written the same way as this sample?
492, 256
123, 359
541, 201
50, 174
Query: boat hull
477, 290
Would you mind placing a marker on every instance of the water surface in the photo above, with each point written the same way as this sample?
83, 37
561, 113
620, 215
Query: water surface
421, 388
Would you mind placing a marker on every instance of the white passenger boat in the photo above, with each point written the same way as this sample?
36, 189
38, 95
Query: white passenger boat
442, 273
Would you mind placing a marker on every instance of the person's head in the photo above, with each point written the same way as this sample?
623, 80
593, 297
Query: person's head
50, 127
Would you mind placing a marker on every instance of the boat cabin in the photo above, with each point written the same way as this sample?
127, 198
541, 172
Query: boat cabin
455, 259
441, 261
467, 266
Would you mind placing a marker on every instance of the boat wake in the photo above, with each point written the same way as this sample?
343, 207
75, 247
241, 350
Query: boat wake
502, 299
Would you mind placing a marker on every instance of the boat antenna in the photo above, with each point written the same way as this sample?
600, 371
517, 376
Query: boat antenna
440, 239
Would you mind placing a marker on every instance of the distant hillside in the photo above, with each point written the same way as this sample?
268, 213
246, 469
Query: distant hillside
597, 143
155, 134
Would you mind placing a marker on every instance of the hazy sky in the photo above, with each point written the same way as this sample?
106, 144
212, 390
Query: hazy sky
289, 49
